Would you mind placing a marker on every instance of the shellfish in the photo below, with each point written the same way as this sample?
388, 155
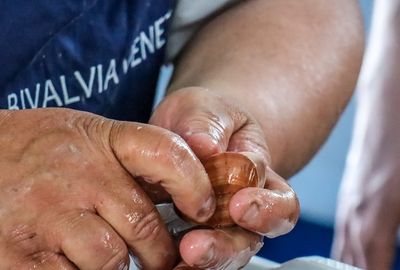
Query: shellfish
229, 172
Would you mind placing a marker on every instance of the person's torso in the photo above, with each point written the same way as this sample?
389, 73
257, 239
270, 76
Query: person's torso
101, 56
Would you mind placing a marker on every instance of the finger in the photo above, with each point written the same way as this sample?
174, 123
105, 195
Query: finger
90, 243
205, 127
271, 212
48, 261
219, 249
163, 157
184, 266
210, 125
131, 213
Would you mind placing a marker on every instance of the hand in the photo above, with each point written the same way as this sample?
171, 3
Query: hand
368, 214
67, 195
212, 124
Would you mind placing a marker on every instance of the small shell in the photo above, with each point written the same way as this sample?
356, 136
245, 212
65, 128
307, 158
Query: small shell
228, 172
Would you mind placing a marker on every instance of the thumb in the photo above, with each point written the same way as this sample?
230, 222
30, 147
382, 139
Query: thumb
162, 157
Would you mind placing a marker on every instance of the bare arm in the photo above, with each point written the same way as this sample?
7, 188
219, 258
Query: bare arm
292, 64
269, 79
365, 233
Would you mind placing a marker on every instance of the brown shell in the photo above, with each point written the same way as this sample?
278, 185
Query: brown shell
228, 172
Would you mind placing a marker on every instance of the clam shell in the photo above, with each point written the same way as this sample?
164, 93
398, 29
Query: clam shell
228, 172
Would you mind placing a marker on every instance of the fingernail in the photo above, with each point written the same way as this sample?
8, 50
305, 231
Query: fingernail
207, 258
251, 213
208, 208
279, 227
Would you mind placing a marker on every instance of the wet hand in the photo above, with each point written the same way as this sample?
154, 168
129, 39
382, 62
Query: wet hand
213, 124
68, 199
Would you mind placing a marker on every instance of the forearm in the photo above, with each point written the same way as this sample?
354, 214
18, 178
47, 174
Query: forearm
365, 233
292, 64
375, 150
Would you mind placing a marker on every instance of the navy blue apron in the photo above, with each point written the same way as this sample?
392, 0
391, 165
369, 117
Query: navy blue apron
101, 56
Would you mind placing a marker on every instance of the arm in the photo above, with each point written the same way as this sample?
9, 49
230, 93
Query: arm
268, 78
292, 64
365, 233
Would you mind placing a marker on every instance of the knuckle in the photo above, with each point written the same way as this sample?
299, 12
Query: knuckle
117, 258
147, 228
214, 125
90, 123
179, 150
22, 237
36, 260
42, 257
115, 131
111, 249
97, 129
174, 149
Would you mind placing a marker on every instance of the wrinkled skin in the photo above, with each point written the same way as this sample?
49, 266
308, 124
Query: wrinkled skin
68, 199
211, 124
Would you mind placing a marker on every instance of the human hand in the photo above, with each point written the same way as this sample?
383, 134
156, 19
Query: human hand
67, 195
212, 124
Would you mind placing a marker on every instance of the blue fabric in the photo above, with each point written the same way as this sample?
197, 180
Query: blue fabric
101, 56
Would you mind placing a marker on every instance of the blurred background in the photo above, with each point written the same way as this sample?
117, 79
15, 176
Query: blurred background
317, 187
